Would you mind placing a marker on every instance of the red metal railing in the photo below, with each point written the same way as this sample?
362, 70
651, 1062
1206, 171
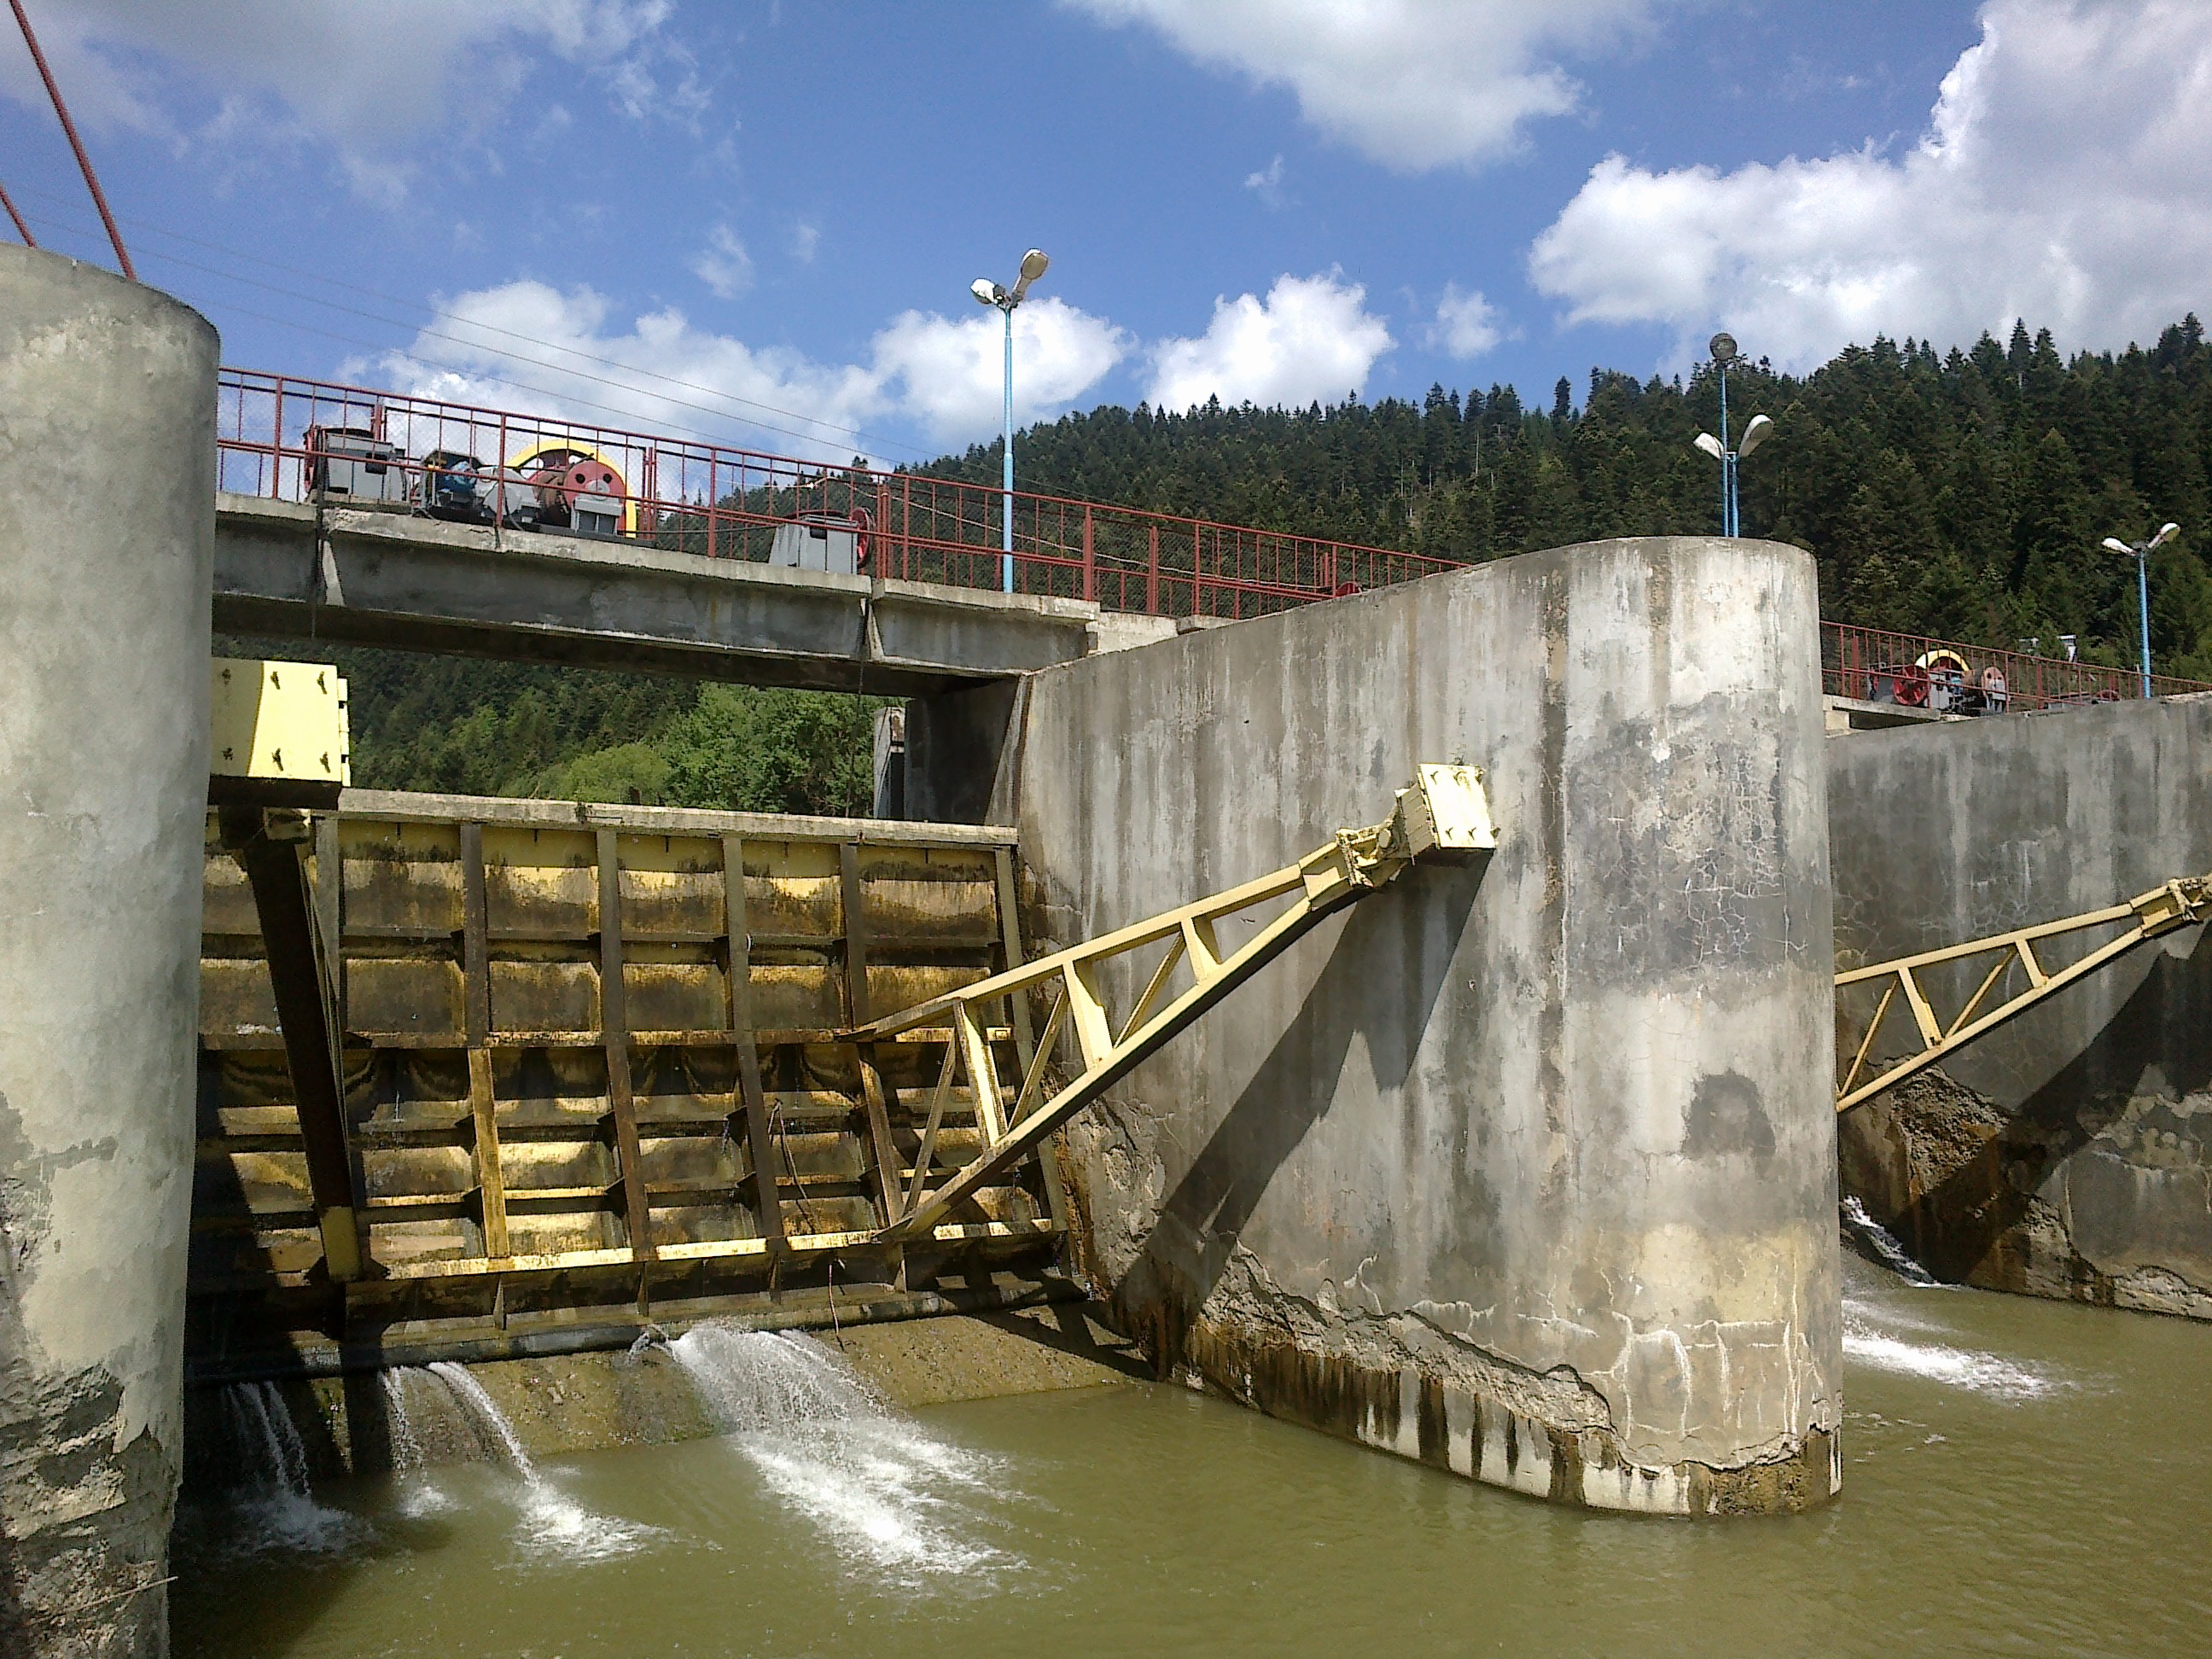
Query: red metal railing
1864, 662
728, 503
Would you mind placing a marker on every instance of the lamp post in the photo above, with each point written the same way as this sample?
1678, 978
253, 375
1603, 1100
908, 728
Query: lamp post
988, 293
1754, 433
2141, 552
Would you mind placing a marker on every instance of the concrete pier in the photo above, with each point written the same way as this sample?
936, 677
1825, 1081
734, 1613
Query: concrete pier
1526, 1171
107, 537
2069, 1153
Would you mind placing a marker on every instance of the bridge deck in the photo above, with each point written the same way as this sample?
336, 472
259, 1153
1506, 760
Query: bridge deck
418, 584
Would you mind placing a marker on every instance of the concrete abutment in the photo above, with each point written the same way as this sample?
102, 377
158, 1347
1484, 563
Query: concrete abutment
2069, 1153
106, 534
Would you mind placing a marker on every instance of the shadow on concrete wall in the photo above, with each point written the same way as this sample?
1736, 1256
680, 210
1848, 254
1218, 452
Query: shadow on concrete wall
1201, 1222
1962, 1223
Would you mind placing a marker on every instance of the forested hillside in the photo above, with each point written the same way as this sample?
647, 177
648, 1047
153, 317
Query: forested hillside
1962, 494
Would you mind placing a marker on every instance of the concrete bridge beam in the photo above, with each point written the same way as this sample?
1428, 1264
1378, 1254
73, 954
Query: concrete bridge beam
417, 584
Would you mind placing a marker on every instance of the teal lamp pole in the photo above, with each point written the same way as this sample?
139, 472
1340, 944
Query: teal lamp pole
988, 293
2141, 552
1754, 433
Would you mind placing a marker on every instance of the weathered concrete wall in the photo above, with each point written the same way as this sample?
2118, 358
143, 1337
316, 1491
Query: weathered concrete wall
2069, 1154
107, 532
1527, 1171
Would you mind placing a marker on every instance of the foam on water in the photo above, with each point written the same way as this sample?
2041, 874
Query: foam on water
876, 1483
1938, 1362
272, 1507
553, 1524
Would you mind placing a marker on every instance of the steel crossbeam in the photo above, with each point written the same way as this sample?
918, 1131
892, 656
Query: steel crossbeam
2174, 904
1442, 816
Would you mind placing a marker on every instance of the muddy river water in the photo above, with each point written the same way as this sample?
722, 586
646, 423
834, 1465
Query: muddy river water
2021, 1477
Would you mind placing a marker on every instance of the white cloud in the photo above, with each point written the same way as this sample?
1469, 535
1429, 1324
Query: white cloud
1312, 337
954, 372
2065, 177
804, 238
1466, 324
666, 374
367, 78
662, 374
1410, 84
1267, 184
723, 265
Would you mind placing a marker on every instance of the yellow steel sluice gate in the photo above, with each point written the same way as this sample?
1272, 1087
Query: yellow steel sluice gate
472, 1065
503, 1061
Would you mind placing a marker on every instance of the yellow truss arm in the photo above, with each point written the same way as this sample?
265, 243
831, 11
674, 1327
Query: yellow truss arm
2172, 904
1442, 816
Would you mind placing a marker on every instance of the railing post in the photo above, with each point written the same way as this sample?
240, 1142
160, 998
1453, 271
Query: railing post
1152, 575
1089, 560
276, 443
714, 502
1197, 570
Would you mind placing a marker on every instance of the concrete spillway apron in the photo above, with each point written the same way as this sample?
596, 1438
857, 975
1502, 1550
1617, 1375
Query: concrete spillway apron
106, 538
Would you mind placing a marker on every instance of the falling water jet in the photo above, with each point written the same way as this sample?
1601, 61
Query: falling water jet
399, 1428
1881, 1245
881, 1487
272, 1504
553, 1523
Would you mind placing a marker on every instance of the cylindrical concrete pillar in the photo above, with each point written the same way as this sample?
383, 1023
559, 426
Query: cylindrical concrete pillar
106, 547
1527, 1169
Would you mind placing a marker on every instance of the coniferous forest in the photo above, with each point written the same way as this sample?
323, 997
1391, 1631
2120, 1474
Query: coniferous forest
1961, 494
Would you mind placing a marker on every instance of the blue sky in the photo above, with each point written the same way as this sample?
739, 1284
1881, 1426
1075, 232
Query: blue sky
781, 204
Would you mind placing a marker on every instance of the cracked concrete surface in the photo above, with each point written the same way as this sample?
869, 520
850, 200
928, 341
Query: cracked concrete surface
1526, 1168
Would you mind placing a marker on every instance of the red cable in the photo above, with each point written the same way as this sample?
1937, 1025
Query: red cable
22, 229
84, 161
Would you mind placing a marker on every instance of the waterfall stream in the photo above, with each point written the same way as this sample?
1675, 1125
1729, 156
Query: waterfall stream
553, 1524
1878, 1241
877, 1483
271, 1504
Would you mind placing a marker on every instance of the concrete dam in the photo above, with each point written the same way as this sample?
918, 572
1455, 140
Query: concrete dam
1526, 1168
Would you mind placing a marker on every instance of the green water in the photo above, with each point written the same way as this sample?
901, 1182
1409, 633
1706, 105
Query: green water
2019, 1478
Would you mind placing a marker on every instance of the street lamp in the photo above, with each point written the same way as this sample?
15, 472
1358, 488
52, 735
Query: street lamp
2141, 552
988, 293
1723, 347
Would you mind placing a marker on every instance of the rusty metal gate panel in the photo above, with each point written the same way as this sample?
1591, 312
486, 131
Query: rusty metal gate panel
583, 1067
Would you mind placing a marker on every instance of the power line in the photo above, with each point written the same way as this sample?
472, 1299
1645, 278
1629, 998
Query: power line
873, 439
